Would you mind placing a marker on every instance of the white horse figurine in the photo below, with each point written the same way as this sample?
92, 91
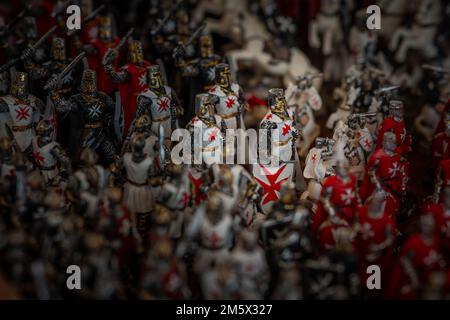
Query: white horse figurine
254, 35
422, 35
392, 16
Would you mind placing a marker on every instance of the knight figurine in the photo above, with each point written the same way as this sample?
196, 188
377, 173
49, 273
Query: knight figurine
160, 102
230, 102
94, 110
48, 154
130, 78
24, 110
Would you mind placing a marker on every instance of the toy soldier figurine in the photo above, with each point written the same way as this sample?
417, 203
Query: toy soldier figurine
175, 197
441, 213
116, 223
143, 127
24, 110
95, 110
225, 187
252, 269
318, 166
201, 68
30, 33
131, 78
439, 145
48, 153
229, 99
333, 228
395, 122
160, 103
54, 66
85, 186
390, 170
96, 51
276, 224
207, 132
341, 191
419, 258
213, 228
376, 234
279, 149
140, 174
220, 281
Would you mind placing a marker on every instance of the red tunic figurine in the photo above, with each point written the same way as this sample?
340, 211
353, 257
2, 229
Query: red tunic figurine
375, 237
395, 123
97, 50
419, 258
131, 78
341, 190
390, 169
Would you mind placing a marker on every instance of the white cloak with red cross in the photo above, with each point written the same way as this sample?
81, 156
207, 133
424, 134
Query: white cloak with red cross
227, 105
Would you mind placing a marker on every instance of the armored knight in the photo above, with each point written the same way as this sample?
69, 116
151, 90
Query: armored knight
207, 132
48, 154
98, 48
131, 78
24, 111
340, 191
419, 258
318, 166
333, 227
252, 269
391, 171
439, 144
213, 229
143, 127
376, 235
395, 122
140, 175
174, 197
277, 147
160, 102
201, 70
229, 99
278, 220
94, 110
58, 61
45, 73
30, 36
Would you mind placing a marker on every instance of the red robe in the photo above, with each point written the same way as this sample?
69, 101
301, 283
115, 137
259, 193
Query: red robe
440, 148
402, 137
104, 82
343, 197
392, 172
328, 231
129, 91
425, 259
442, 220
374, 232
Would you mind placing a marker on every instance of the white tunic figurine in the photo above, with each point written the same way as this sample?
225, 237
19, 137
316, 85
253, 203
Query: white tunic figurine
24, 110
228, 97
278, 157
207, 131
48, 153
138, 195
